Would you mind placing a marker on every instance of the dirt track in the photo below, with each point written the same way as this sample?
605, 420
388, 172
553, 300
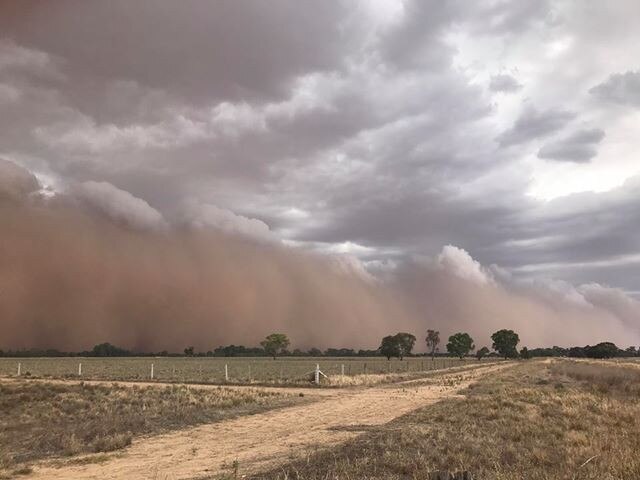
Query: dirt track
260, 441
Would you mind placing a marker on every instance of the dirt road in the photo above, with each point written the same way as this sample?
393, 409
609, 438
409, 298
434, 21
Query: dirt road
258, 442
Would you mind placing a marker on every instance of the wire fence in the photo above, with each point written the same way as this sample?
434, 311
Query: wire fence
216, 369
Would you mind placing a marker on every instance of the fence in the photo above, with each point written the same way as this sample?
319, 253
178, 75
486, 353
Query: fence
215, 369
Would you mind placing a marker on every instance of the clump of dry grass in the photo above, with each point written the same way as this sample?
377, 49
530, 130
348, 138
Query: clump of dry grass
533, 421
45, 419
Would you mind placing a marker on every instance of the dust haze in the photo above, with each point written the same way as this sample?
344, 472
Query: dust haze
94, 264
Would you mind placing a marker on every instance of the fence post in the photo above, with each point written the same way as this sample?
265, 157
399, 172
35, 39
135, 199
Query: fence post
342, 370
364, 368
79, 369
19, 367
226, 372
249, 372
317, 374
152, 371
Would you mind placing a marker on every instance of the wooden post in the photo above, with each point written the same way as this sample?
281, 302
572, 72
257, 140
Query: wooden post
152, 371
249, 372
342, 370
19, 367
407, 365
79, 369
364, 368
226, 372
317, 374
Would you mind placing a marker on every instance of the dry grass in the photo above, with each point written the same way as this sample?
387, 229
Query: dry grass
536, 421
376, 379
39, 420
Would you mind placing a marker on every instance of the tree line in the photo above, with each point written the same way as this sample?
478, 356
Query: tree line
399, 345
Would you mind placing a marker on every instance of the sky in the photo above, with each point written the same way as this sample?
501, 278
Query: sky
497, 139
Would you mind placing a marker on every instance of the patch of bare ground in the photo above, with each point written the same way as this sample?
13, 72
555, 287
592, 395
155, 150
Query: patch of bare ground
43, 419
250, 444
541, 420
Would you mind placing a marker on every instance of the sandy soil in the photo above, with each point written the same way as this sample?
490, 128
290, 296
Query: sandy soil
261, 441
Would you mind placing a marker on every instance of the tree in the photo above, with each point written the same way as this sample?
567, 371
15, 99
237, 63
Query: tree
524, 353
275, 343
389, 347
188, 351
406, 341
505, 342
433, 340
483, 352
460, 344
108, 350
602, 350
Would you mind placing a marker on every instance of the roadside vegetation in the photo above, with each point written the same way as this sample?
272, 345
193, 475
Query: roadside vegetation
41, 419
539, 420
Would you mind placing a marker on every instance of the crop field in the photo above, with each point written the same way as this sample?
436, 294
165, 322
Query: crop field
286, 370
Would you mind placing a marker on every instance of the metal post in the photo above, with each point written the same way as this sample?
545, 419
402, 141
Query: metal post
19, 367
79, 369
317, 374
226, 372
342, 369
152, 371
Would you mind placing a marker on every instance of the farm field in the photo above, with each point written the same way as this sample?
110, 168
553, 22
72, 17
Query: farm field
285, 370
248, 444
40, 419
539, 420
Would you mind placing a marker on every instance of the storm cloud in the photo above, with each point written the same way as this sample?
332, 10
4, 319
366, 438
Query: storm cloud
303, 132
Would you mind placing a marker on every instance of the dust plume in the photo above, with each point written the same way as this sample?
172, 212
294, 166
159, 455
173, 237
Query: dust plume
97, 264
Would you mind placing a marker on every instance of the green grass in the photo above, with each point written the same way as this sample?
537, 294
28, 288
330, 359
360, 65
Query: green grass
287, 370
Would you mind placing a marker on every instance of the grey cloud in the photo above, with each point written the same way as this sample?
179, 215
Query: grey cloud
579, 147
621, 88
118, 205
504, 83
533, 124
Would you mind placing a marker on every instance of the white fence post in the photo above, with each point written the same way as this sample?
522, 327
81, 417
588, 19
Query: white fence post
152, 371
317, 374
19, 367
226, 372
79, 369
342, 369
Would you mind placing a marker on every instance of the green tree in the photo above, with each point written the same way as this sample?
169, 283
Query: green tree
406, 341
389, 347
460, 344
188, 351
275, 344
433, 340
505, 343
483, 352
524, 353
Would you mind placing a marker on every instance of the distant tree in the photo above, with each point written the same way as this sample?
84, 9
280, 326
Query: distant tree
406, 341
524, 353
460, 344
433, 340
602, 350
631, 352
483, 352
275, 344
315, 352
188, 351
389, 347
108, 350
505, 343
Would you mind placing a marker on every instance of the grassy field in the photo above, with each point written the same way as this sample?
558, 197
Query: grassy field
39, 419
537, 421
286, 370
